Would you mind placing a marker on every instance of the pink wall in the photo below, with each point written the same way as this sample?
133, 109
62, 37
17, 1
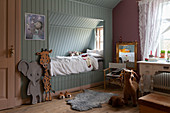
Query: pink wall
125, 23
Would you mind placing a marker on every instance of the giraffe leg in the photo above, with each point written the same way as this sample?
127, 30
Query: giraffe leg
50, 96
46, 98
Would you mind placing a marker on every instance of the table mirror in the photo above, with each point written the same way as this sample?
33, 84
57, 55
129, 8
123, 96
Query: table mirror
126, 52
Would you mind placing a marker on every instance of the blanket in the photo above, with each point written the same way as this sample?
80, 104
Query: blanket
71, 65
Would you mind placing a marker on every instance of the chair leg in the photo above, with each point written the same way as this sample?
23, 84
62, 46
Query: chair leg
104, 80
104, 83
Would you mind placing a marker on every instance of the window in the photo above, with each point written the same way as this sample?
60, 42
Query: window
165, 29
99, 38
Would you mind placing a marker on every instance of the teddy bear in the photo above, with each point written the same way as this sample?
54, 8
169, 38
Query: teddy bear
116, 101
131, 87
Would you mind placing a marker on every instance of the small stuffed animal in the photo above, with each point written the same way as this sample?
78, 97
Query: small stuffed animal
67, 95
87, 59
130, 87
116, 101
74, 53
61, 95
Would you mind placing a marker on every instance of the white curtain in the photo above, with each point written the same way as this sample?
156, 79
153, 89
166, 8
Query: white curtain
150, 19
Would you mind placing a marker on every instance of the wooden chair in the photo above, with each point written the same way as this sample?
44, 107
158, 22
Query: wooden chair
110, 75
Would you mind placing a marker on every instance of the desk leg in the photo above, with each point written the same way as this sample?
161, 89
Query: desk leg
142, 85
104, 80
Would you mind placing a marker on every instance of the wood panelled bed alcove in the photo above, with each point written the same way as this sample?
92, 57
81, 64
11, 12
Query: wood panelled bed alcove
72, 33
67, 7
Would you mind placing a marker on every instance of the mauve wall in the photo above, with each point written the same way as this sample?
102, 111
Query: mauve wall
125, 23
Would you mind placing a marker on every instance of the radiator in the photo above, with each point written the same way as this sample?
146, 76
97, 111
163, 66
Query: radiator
162, 82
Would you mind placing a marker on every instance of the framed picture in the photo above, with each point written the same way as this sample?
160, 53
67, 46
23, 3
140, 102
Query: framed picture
34, 26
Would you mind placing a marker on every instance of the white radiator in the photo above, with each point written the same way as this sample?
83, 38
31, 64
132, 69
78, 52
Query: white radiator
162, 81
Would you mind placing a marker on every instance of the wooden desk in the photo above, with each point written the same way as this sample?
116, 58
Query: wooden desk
154, 103
149, 69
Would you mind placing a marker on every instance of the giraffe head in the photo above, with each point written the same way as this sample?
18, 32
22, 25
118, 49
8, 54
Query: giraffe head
44, 57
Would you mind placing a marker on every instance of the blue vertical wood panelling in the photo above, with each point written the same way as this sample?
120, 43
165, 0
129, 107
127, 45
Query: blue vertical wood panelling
102, 3
29, 48
70, 33
66, 82
65, 39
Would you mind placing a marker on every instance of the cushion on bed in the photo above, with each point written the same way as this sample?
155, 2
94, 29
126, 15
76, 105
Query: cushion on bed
74, 53
100, 52
91, 51
95, 55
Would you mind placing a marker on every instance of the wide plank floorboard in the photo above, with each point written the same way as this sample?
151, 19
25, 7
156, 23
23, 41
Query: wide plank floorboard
60, 106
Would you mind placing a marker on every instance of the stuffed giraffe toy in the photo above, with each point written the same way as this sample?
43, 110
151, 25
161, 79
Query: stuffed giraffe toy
44, 61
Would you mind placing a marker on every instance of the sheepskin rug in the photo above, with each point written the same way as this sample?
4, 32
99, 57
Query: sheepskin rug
89, 99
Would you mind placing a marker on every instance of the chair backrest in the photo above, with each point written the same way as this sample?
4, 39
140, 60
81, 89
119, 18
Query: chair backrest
117, 65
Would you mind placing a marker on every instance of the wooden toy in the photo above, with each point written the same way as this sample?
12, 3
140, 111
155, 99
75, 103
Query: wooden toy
33, 72
45, 61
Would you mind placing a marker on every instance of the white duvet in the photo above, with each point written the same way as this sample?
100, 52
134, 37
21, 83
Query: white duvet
69, 65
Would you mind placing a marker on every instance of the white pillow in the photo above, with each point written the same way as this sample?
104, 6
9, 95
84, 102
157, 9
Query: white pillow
95, 55
100, 52
91, 51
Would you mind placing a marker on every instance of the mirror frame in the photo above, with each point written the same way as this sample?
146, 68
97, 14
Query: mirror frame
135, 50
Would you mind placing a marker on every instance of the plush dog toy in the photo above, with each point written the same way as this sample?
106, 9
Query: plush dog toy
116, 101
131, 87
67, 95
61, 95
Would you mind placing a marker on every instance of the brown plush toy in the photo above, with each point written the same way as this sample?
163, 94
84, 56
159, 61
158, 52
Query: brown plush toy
131, 87
61, 95
67, 95
116, 101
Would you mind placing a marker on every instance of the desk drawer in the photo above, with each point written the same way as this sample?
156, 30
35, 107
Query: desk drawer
162, 67
145, 69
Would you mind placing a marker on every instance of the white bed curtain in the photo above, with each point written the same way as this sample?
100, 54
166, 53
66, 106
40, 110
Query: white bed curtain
150, 20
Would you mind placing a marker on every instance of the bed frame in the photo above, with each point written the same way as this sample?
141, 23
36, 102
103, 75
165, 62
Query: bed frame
75, 82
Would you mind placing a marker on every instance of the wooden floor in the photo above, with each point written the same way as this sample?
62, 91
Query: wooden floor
60, 106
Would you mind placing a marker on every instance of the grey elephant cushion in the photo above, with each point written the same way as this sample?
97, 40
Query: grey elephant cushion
33, 72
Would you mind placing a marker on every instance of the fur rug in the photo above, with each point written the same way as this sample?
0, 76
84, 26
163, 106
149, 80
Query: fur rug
89, 99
